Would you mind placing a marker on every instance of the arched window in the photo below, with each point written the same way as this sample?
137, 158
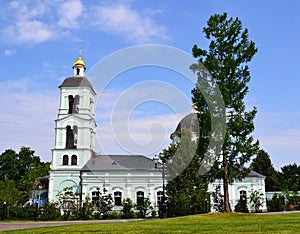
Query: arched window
75, 135
96, 197
71, 104
159, 196
74, 160
77, 71
76, 104
139, 197
70, 138
118, 198
65, 160
243, 194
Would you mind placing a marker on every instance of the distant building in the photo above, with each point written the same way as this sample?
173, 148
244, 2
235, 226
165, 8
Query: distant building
243, 188
239, 188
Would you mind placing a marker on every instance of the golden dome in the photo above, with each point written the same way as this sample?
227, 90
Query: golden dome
79, 62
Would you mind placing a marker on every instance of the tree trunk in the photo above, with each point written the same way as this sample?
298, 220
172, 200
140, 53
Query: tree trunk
225, 183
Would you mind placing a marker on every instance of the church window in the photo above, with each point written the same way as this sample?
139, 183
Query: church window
71, 104
65, 160
243, 194
96, 197
75, 134
159, 195
70, 138
118, 198
77, 71
139, 197
76, 104
74, 160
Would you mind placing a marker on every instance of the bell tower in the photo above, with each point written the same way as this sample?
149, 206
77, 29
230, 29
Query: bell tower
75, 130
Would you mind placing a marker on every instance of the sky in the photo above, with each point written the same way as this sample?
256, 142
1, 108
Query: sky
40, 40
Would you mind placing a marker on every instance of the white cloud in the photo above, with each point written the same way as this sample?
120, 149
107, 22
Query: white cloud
9, 52
33, 32
70, 13
25, 25
24, 10
279, 135
34, 22
27, 117
137, 129
123, 20
146, 135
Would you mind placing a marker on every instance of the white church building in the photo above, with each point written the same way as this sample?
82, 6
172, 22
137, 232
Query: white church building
76, 166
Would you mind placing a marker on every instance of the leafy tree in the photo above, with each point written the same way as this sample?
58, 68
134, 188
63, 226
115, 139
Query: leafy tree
87, 209
67, 200
229, 52
49, 211
218, 199
24, 168
187, 192
9, 193
293, 200
276, 203
290, 177
105, 205
127, 208
256, 199
241, 206
8, 164
143, 206
263, 165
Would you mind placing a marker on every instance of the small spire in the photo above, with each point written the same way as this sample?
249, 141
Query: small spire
79, 61
79, 65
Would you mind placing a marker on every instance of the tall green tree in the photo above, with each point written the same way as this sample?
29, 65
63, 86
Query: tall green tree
263, 165
8, 165
23, 168
290, 177
186, 190
229, 52
9, 193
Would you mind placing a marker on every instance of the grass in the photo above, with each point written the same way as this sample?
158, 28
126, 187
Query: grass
207, 223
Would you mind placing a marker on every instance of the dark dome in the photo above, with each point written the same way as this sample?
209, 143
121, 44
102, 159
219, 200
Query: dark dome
186, 122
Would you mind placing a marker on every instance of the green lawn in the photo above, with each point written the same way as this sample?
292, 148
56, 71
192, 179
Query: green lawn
206, 223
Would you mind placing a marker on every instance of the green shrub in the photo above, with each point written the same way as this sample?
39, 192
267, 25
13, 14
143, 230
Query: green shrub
241, 206
21, 213
127, 208
276, 203
142, 207
113, 214
49, 211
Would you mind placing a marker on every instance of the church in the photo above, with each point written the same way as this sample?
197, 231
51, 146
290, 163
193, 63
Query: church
77, 169
75, 166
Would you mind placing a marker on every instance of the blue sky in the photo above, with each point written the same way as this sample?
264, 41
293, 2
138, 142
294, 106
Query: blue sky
40, 40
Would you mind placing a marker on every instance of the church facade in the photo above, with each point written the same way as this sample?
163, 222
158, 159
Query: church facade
75, 166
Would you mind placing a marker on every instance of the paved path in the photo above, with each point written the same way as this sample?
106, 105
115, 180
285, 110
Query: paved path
280, 212
22, 225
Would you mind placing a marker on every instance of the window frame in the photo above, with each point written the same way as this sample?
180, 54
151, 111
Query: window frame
118, 198
65, 160
74, 160
139, 196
